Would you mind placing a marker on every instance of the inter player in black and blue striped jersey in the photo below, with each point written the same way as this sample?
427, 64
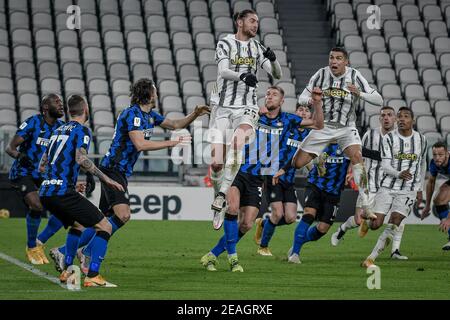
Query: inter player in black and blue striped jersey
440, 164
66, 154
282, 196
322, 197
27, 146
132, 134
262, 158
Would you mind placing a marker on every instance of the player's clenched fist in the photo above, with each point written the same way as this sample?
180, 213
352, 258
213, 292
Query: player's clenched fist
316, 94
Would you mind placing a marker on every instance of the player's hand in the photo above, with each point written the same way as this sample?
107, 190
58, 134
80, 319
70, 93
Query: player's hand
353, 89
348, 178
316, 95
269, 54
113, 184
276, 177
249, 79
445, 225
201, 110
425, 212
90, 184
419, 198
405, 175
184, 140
24, 160
263, 110
80, 187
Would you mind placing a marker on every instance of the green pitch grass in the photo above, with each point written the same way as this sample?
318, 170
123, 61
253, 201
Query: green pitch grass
160, 260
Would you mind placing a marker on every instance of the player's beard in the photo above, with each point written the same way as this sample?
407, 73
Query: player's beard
53, 112
248, 33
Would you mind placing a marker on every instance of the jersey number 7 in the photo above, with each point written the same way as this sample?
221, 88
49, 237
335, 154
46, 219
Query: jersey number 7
60, 141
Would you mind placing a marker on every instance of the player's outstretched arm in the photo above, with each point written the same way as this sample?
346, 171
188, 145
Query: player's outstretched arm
316, 122
199, 110
139, 142
87, 165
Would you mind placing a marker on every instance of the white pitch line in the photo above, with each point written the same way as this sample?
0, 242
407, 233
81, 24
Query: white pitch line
32, 269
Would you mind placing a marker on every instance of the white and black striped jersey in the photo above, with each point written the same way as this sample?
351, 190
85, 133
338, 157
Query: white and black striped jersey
338, 103
372, 140
405, 153
243, 56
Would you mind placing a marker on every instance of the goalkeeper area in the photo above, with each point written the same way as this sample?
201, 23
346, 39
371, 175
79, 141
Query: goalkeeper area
161, 260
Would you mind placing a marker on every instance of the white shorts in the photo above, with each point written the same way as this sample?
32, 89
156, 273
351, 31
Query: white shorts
317, 140
224, 121
395, 201
371, 200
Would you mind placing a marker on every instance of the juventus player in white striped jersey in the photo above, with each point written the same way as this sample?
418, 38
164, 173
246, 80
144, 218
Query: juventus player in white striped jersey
342, 87
372, 141
234, 104
404, 168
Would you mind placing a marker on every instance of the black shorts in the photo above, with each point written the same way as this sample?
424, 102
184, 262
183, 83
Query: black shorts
25, 185
326, 204
73, 207
110, 197
447, 182
281, 192
250, 188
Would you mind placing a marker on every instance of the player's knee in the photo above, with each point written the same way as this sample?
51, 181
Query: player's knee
233, 208
104, 225
245, 226
290, 218
323, 227
36, 206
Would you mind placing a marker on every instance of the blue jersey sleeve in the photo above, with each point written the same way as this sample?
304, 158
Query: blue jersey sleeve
84, 138
157, 117
433, 169
26, 128
134, 121
295, 121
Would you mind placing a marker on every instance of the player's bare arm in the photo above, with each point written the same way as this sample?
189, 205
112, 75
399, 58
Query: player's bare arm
316, 122
199, 111
139, 142
43, 163
11, 148
87, 165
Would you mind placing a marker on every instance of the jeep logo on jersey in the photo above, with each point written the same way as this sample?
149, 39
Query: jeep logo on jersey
246, 61
406, 156
335, 93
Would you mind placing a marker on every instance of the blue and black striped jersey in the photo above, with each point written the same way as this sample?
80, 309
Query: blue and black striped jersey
36, 132
290, 147
263, 154
122, 154
336, 166
62, 169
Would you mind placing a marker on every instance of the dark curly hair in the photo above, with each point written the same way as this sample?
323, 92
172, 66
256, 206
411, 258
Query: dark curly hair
141, 91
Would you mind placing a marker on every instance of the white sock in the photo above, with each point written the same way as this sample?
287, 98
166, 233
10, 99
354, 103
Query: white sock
388, 232
396, 241
360, 176
349, 224
216, 179
232, 166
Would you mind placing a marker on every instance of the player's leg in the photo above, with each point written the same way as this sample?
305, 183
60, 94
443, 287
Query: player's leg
354, 152
266, 227
233, 163
396, 241
34, 253
441, 204
53, 226
351, 223
382, 204
312, 206
218, 151
402, 204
